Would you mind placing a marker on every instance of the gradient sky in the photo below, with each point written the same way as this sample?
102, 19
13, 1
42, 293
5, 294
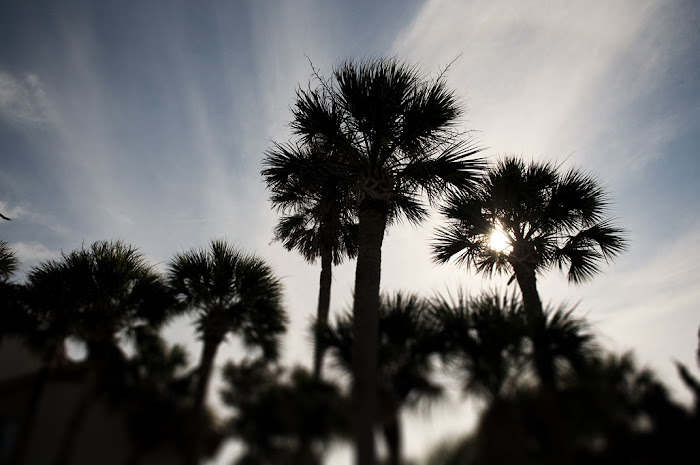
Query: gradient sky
147, 120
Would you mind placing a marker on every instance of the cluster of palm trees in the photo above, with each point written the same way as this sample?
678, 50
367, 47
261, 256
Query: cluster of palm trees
377, 139
375, 144
108, 298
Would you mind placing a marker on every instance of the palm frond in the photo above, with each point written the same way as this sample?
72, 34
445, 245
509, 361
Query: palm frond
8, 261
584, 251
454, 167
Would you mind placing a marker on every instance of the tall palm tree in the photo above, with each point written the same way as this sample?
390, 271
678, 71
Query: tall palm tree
229, 292
390, 133
550, 220
321, 223
407, 344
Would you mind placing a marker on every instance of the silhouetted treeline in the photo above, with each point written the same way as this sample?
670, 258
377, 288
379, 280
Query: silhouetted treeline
374, 144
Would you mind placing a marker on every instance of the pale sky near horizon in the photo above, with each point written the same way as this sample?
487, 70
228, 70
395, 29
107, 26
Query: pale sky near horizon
146, 121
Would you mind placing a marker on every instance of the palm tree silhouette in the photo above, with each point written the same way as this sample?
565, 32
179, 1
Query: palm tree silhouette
550, 219
97, 294
321, 223
282, 415
492, 340
230, 293
8, 261
407, 343
14, 320
390, 133
499, 349
484, 339
157, 395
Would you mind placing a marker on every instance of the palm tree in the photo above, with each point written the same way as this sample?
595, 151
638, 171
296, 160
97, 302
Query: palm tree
281, 415
485, 340
99, 295
407, 344
230, 292
321, 224
157, 394
500, 349
550, 220
13, 318
390, 134
8, 261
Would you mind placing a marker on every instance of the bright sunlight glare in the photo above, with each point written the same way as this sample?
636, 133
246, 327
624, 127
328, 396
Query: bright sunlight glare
499, 241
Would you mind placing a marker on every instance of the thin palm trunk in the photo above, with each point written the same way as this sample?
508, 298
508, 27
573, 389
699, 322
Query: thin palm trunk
528, 287
558, 444
324, 302
372, 223
393, 435
50, 362
206, 364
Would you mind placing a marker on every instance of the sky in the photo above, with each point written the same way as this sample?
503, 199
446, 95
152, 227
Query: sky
147, 121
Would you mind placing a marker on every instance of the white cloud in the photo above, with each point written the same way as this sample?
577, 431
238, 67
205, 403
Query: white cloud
30, 253
23, 213
23, 99
12, 212
549, 79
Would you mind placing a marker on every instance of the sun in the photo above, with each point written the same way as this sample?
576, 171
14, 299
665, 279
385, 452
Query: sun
499, 240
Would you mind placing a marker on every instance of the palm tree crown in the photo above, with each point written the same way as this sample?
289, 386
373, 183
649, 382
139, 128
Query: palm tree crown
98, 293
230, 291
550, 219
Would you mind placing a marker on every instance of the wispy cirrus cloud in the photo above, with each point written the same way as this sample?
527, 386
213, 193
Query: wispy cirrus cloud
23, 99
555, 80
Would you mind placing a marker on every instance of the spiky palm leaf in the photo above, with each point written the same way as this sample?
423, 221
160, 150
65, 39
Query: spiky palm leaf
8, 261
484, 339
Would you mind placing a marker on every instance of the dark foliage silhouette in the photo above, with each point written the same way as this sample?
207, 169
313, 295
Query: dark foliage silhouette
319, 219
99, 295
229, 292
551, 220
282, 417
407, 344
390, 133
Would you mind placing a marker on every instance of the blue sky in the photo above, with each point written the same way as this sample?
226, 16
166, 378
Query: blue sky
147, 121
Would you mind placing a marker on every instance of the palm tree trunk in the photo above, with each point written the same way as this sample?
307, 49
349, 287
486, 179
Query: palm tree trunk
527, 282
372, 223
206, 364
557, 442
79, 414
392, 436
49, 364
324, 303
